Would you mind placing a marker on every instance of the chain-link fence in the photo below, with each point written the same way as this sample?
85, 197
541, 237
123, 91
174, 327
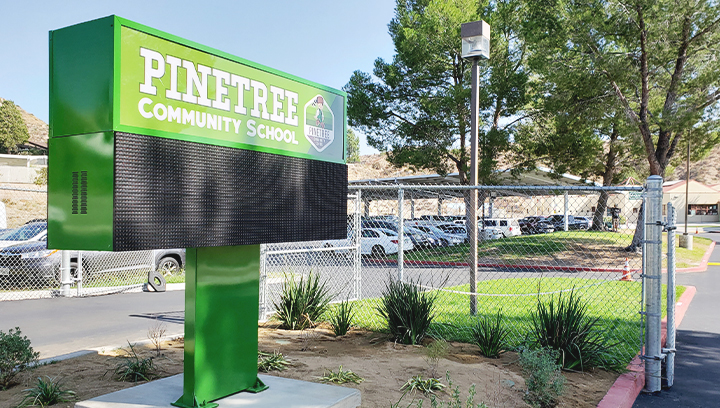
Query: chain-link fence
28, 270
534, 243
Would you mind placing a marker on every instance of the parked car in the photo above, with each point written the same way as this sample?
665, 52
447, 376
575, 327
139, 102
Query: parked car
382, 241
508, 226
33, 259
454, 230
490, 233
33, 231
442, 239
420, 239
558, 222
373, 241
535, 225
583, 222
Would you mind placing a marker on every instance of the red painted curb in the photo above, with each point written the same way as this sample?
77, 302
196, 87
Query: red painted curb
628, 386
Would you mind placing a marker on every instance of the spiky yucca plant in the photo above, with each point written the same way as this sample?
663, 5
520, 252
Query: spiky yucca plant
407, 310
490, 335
563, 324
302, 303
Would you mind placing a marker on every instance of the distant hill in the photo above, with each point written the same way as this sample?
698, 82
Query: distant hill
706, 171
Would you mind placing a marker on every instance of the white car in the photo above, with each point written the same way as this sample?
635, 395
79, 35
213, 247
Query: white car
373, 241
458, 232
509, 227
443, 238
30, 232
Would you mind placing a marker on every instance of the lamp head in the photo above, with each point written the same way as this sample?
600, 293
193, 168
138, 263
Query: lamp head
475, 39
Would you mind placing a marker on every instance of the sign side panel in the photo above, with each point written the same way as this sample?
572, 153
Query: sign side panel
81, 78
80, 192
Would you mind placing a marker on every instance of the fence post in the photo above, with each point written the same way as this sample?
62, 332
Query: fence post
401, 236
653, 274
65, 281
79, 278
669, 349
565, 213
358, 249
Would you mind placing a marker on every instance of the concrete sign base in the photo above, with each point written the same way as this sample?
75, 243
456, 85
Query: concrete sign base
283, 392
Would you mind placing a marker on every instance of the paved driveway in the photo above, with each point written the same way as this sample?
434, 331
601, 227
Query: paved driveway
697, 364
65, 325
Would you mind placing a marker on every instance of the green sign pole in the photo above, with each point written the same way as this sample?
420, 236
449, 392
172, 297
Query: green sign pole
221, 307
159, 142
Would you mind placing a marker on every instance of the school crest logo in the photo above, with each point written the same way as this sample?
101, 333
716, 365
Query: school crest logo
319, 120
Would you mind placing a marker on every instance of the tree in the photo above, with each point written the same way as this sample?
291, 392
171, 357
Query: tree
353, 147
659, 58
13, 130
416, 108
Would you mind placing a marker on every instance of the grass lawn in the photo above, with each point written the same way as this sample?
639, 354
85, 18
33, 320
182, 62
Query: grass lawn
685, 258
525, 246
615, 303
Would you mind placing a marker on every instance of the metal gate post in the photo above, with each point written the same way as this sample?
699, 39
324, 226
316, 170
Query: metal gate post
653, 274
669, 349
401, 236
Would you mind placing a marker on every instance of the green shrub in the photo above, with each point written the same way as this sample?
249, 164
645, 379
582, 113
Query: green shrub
407, 310
42, 177
490, 335
341, 319
425, 385
132, 368
341, 377
544, 381
16, 355
564, 325
46, 392
302, 303
269, 362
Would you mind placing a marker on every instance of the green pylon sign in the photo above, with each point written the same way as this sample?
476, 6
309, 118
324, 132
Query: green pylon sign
159, 142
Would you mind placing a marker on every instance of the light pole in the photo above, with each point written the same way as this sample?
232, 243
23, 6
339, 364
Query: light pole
475, 45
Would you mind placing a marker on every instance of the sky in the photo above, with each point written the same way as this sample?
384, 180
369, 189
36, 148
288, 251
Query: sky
322, 40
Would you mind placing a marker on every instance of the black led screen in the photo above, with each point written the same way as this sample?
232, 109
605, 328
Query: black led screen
177, 194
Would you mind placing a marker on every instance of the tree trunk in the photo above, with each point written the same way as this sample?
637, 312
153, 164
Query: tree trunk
639, 229
608, 174
598, 217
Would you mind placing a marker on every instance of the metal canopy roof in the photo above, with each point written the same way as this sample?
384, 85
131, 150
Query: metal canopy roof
541, 176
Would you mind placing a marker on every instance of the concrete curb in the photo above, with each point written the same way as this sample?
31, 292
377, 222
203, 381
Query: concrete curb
629, 385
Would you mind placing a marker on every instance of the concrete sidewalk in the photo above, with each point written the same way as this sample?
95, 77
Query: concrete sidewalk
697, 364
66, 325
